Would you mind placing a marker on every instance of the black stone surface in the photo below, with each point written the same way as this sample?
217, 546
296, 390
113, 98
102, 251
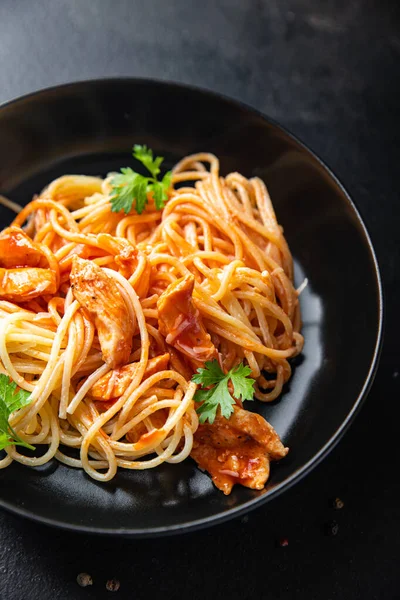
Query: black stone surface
329, 71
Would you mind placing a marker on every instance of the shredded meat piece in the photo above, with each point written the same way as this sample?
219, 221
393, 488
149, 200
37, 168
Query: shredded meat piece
99, 294
21, 285
114, 383
23, 275
18, 250
237, 450
180, 321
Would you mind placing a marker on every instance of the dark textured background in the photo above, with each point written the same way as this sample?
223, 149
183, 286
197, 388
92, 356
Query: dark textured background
329, 71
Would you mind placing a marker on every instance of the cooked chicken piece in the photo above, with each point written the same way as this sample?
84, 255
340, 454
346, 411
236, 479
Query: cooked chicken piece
237, 450
99, 294
21, 285
114, 383
180, 322
22, 273
18, 250
127, 258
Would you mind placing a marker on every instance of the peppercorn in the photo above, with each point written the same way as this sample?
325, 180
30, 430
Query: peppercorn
337, 504
84, 579
113, 585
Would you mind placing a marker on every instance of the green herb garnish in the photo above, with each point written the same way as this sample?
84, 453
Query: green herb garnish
129, 187
219, 395
11, 400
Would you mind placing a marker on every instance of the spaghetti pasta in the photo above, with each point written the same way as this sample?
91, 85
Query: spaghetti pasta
105, 317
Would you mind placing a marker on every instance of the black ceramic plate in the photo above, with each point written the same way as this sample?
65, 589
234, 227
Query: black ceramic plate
89, 128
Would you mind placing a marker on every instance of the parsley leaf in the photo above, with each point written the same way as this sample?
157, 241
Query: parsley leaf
130, 188
123, 188
211, 374
140, 193
219, 395
160, 190
242, 384
145, 156
11, 399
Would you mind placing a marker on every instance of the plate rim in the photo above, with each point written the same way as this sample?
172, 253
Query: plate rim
315, 460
